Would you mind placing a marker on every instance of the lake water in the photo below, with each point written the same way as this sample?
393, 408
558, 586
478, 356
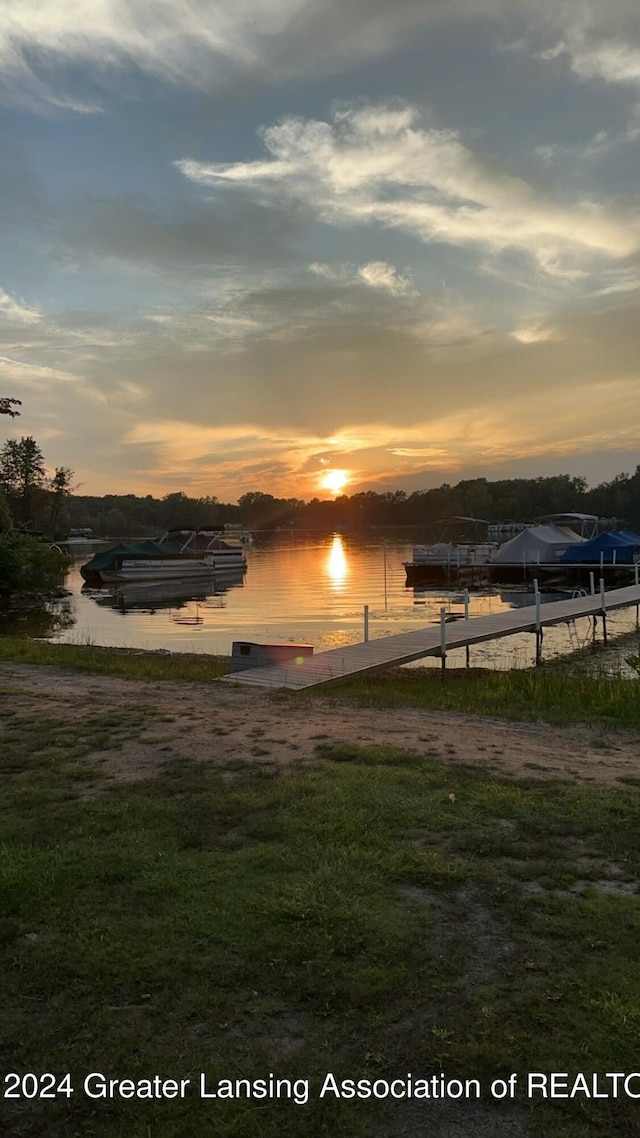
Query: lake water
311, 589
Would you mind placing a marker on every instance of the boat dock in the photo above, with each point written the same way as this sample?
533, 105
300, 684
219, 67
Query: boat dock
342, 664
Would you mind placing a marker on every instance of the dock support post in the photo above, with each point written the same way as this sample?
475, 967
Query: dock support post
366, 624
603, 607
385, 576
536, 593
592, 585
443, 638
636, 567
466, 617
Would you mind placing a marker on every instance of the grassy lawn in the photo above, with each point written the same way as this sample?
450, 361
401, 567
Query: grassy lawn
537, 694
371, 915
127, 663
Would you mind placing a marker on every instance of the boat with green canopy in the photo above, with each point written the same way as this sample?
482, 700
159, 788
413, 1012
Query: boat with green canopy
180, 554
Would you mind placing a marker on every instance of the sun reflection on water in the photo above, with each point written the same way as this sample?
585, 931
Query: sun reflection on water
337, 567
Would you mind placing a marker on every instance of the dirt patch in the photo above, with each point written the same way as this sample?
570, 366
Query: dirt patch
231, 727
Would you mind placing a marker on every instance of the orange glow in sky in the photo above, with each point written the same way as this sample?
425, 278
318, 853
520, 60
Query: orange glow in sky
335, 480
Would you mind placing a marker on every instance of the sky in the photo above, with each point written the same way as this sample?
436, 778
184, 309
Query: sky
246, 245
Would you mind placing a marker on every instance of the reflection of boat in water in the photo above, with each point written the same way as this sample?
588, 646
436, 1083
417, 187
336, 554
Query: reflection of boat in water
185, 554
149, 596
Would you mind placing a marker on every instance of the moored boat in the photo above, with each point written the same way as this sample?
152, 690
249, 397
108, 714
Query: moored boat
554, 555
533, 552
179, 554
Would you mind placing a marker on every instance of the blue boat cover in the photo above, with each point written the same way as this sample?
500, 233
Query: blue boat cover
624, 542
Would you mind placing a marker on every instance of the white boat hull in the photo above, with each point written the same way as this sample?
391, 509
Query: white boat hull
154, 569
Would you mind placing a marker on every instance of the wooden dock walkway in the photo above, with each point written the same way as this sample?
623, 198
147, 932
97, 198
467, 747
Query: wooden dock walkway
342, 664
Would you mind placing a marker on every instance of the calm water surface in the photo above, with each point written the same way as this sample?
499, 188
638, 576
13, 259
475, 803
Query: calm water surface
305, 590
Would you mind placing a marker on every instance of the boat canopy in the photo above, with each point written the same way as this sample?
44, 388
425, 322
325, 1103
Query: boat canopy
542, 544
586, 523
623, 543
107, 557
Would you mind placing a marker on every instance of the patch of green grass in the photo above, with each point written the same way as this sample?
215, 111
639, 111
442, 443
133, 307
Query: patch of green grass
124, 662
44, 756
520, 695
370, 914
373, 755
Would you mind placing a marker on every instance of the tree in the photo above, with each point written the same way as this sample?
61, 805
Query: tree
27, 564
60, 486
6, 406
6, 521
22, 472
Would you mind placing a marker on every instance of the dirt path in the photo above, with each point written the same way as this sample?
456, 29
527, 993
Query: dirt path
230, 727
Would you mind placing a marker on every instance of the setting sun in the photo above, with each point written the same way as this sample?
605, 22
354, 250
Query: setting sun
335, 480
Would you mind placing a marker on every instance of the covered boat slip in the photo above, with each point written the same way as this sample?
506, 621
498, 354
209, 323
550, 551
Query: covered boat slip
355, 660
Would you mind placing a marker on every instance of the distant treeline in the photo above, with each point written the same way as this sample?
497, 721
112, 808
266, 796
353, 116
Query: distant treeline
508, 500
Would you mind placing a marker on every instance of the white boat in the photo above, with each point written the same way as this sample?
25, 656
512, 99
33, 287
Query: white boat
157, 569
453, 554
216, 548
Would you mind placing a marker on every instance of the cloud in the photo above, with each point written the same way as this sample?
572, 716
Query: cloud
16, 312
29, 374
375, 274
197, 43
376, 165
535, 334
360, 395
614, 62
619, 282
600, 41
207, 46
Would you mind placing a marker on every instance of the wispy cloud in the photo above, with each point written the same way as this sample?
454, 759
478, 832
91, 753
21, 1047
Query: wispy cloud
616, 282
197, 43
380, 275
16, 312
204, 45
375, 274
599, 41
32, 374
613, 61
535, 334
377, 165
